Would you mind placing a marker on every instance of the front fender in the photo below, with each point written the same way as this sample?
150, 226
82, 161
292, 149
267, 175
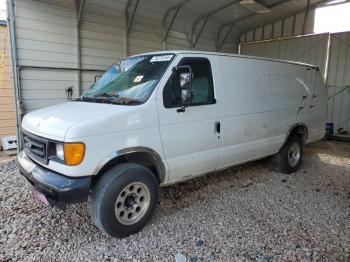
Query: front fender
149, 155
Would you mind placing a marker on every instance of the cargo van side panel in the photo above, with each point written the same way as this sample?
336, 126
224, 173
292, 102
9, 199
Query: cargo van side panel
262, 100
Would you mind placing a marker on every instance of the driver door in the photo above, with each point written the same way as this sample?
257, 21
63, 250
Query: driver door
191, 138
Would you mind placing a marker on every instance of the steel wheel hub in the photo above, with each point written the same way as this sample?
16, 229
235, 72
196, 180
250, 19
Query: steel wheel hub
132, 203
294, 155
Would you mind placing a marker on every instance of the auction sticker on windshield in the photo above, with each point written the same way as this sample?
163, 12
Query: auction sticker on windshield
161, 58
138, 79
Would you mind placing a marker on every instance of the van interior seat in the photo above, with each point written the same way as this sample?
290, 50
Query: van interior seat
200, 89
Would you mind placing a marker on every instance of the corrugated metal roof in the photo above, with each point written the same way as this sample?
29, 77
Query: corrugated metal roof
227, 12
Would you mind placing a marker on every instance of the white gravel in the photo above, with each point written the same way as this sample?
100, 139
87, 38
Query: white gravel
248, 213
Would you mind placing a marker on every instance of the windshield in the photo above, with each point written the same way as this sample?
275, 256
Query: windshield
131, 81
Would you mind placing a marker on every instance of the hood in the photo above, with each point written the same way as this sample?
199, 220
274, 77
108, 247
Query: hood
53, 122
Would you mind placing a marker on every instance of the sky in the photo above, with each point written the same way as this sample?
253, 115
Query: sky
332, 19
2, 9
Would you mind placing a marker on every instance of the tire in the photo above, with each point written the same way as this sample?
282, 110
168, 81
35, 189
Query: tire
288, 163
123, 190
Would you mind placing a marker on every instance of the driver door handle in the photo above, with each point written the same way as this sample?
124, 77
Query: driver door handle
217, 127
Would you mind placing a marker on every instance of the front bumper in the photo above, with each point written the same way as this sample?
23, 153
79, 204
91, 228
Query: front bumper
54, 186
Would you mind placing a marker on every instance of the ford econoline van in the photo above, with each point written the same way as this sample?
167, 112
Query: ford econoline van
159, 118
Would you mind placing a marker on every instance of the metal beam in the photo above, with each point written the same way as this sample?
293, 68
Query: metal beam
221, 28
282, 27
128, 22
131, 20
293, 24
194, 43
206, 18
218, 34
340, 3
307, 9
16, 79
79, 5
212, 13
167, 30
272, 30
171, 23
225, 37
80, 12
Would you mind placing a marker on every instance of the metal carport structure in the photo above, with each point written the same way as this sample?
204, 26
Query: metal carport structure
60, 46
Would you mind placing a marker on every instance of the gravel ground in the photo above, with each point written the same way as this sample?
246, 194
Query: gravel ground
246, 213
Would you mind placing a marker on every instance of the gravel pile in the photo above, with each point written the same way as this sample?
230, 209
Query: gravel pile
248, 213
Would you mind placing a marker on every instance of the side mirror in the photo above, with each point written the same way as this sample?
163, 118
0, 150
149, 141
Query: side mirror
186, 96
186, 88
185, 78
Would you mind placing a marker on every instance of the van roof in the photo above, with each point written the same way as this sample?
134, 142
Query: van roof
228, 54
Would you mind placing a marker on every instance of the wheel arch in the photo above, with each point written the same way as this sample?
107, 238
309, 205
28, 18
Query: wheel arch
299, 129
140, 155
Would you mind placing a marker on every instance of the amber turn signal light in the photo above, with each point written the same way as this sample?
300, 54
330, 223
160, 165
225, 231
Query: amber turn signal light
73, 153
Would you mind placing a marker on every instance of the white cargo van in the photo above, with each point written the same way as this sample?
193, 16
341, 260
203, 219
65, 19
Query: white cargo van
159, 118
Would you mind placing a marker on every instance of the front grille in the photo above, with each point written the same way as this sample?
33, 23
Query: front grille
35, 147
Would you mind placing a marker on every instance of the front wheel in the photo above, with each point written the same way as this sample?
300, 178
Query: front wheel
290, 156
124, 199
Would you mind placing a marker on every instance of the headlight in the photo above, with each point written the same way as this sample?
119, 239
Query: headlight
60, 151
70, 153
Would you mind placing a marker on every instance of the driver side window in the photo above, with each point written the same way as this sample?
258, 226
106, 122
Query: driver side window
202, 84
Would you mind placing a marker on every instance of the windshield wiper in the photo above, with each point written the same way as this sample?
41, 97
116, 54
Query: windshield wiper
117, 99
125, 100
109, 99
106, 95
88, 99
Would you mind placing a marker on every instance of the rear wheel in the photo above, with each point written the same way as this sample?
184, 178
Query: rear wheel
290, 156
124, 199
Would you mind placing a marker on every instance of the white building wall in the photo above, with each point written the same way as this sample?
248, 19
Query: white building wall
339, 81
102, 34
45, 33
45, 37
102, 37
